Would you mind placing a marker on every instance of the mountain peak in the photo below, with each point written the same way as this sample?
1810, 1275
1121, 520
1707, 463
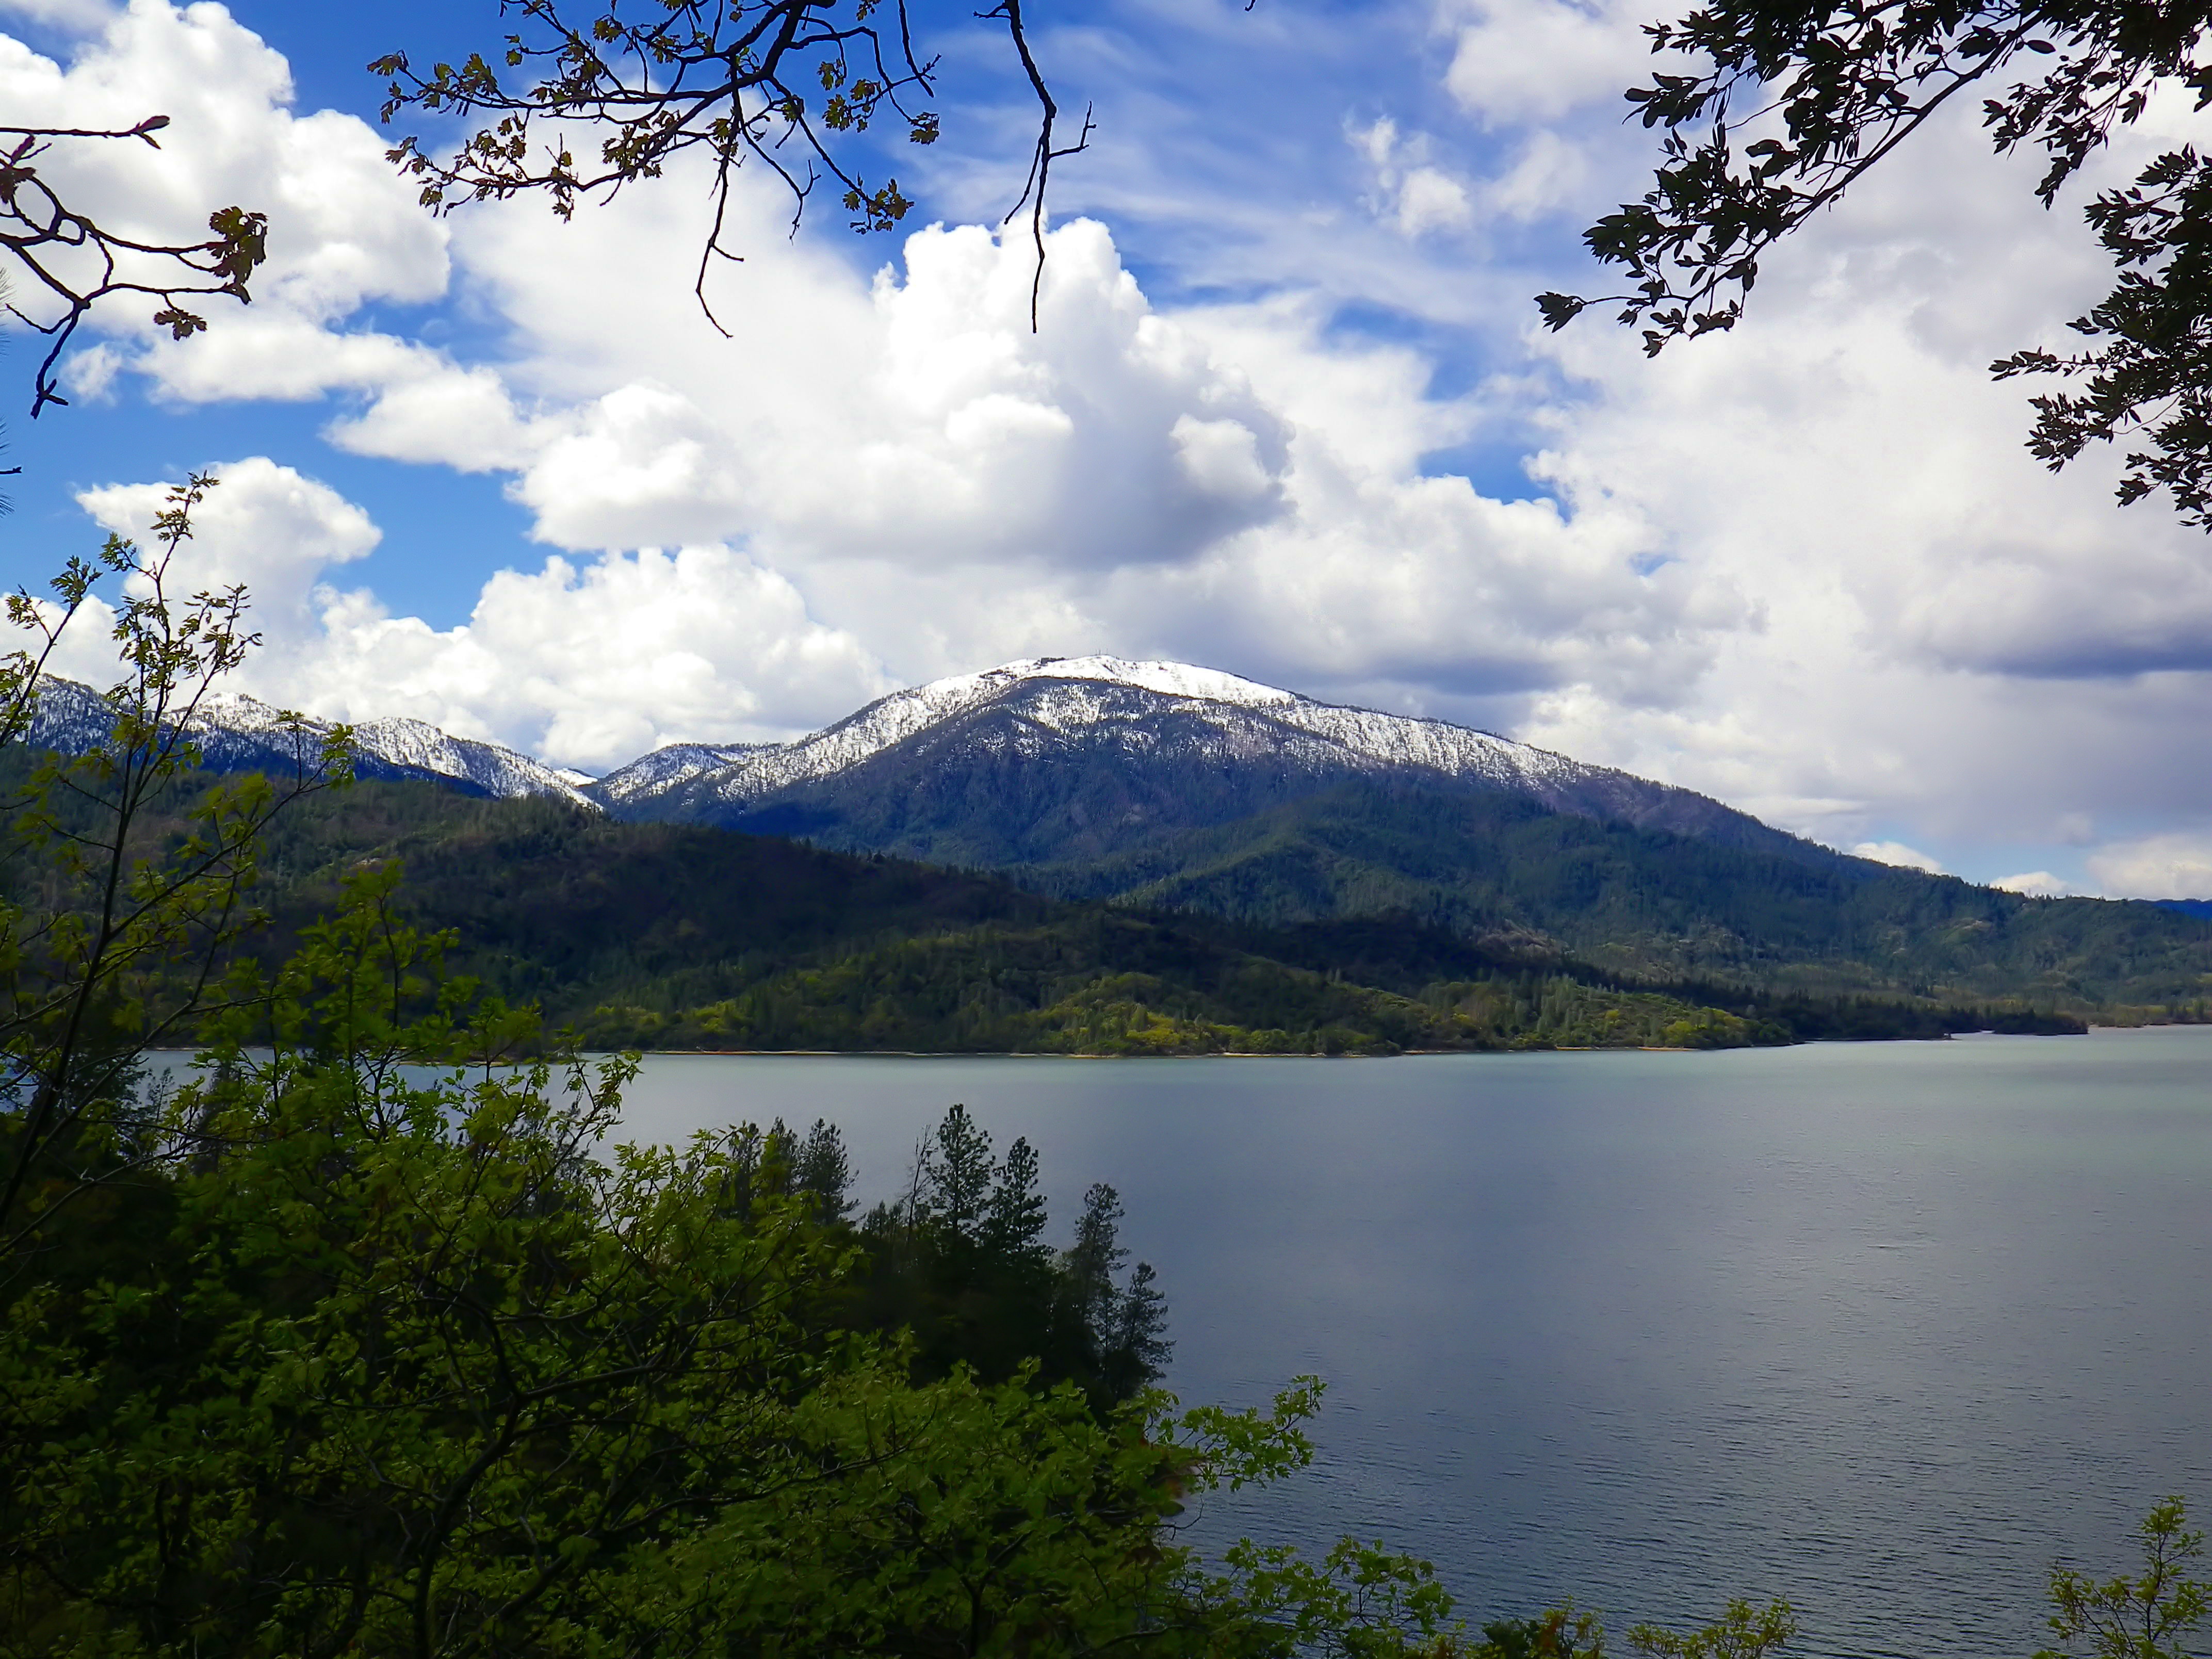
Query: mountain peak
1048, 758
1172, 679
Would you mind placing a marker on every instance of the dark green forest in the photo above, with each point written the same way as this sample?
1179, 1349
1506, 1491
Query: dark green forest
681, 937
1660, 906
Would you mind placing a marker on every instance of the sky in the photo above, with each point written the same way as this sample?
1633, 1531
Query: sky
1287, 413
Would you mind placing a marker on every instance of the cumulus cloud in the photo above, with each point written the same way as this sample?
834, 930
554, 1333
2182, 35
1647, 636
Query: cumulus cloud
1949, 638
587, 664
902, 461
2034, 884
958, 487
591, 664
1546, 173
1522, 61
345, 231
1897, 852
2174, 865
263, 526
1410, 192
918, 418
82, 16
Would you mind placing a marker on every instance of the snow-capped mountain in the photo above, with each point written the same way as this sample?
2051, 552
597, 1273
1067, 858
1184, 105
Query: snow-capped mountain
496, 770
668, 768
235, 733
1068, 694
1051, 761
1050, 757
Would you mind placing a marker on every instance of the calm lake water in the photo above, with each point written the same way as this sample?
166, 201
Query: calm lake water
1888, 1328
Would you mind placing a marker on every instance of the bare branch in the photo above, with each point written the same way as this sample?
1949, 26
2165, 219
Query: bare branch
769, 79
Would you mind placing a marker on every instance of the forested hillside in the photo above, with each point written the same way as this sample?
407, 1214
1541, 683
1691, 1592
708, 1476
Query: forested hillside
1183, 799
669, 936
1653, 904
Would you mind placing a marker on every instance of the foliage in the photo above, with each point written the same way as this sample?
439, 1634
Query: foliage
117, 915
2124, 1618
788, 83
668, 936
399, 1359
1829, 90
960, 1263
1742, 1632
1678, 912
73, 263
1562, 1633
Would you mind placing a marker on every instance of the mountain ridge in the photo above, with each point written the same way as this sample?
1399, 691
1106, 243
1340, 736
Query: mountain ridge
1082, 743
237, 733
1161, 790
843, 785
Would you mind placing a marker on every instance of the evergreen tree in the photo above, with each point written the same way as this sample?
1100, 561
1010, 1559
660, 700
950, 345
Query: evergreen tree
1097, 1255
824, 1172
1013, 1227
1141, 1348
956, 1178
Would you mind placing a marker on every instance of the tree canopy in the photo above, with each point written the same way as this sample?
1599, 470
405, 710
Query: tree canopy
1786, 104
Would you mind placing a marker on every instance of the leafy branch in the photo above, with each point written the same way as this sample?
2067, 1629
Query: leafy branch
1830, 90
119, 946
74, 262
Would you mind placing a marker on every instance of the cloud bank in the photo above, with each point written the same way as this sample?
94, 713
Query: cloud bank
1807, 567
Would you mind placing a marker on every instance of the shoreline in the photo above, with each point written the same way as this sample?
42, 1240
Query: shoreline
1403, 1054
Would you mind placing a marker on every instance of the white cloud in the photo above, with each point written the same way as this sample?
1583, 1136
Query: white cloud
1897, 852
1949, 638
1410, 192
2035, 883
2174, 865
263, 526
939, 478
344, 230
1548, 173
79, 17
1518, 61
589, 665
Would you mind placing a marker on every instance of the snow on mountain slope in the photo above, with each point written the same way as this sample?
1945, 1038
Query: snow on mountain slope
1158, 716
236, 732
496, 770
1071, 694
665, 769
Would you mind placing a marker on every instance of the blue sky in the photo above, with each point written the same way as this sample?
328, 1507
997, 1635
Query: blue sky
1163, 162
1288, 415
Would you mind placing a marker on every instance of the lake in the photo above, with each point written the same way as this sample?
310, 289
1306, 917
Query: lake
1888, 1328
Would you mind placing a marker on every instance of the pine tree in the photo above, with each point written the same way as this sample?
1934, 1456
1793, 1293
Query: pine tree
1014, 1226
956, 1178
1141, 1348
1097, 1256
823, 1171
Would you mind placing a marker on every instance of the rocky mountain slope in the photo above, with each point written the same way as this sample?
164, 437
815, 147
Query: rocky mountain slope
1047, 761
